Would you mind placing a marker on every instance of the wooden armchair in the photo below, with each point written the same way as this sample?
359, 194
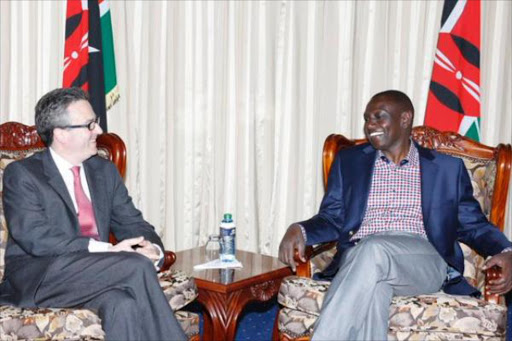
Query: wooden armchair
18, 141
438, 316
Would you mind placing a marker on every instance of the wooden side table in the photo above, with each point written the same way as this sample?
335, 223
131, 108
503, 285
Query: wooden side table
225, 292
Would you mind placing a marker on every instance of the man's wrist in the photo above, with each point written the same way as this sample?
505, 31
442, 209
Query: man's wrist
97, 246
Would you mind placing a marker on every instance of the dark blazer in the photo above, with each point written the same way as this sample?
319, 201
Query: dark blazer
43, 224
450, 212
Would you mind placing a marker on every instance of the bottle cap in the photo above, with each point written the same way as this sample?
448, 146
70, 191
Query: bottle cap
228, 217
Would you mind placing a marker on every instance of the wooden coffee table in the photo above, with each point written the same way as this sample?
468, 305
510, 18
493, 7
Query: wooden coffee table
224, 293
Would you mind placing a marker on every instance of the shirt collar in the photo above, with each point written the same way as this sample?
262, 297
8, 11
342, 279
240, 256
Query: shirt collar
62, 164
412, 157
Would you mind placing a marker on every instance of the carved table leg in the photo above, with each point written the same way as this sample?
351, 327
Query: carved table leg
225, 308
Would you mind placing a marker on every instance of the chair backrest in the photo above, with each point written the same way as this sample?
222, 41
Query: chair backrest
18, 141
488, 167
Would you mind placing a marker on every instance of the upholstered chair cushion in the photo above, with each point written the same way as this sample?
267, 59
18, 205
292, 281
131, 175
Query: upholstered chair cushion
302, 299
303, 294
30, 324
447, 313
295, 324
83, 324
482, 174
67, 324
179, 288
428, 336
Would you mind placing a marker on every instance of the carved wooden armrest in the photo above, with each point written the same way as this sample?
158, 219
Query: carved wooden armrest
304, 268
491, 273
169, 259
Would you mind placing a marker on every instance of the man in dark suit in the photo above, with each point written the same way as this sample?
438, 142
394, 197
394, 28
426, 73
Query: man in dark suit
397, 211
60, 206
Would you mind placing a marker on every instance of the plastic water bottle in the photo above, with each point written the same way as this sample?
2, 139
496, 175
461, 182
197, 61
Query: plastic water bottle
227, 238
227, 276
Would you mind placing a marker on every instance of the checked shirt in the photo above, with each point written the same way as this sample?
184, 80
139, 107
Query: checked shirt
394, 201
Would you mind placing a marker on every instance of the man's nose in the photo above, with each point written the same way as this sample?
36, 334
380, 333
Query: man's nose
97, 129
370, 124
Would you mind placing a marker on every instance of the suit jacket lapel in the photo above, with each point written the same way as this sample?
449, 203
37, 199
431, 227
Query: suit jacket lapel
98, 197
57, 183
428, 171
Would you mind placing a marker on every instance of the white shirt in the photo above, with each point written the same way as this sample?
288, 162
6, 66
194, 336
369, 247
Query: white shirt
64, 168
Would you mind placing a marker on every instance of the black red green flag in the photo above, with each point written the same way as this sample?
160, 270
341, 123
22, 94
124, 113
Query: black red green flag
454, 96
89, 60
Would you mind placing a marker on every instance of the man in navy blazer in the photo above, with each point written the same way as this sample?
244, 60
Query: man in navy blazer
60, 205
397, 211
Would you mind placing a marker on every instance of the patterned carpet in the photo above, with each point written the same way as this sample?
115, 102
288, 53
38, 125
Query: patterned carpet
255, 324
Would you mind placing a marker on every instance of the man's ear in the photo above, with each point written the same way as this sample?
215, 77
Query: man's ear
406, 119
59, 135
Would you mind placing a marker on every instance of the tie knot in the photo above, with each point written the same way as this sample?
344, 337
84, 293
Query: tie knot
76, 171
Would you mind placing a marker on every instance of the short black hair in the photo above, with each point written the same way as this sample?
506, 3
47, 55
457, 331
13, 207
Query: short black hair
397, 97
51, 111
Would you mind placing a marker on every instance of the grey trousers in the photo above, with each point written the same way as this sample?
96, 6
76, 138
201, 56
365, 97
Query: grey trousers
380, 266
121, 287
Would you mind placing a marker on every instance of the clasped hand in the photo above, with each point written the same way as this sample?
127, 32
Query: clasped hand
139, 245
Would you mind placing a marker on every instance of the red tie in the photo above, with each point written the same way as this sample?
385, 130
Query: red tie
86, 217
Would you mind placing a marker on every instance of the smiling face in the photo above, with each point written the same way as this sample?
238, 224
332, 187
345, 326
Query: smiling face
78, 144
388, 126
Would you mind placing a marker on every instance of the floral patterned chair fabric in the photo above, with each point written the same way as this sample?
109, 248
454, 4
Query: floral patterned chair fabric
425, 317
18, 141
83, 324
437, 313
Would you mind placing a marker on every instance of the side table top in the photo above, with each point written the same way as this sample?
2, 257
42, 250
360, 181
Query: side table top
256, 267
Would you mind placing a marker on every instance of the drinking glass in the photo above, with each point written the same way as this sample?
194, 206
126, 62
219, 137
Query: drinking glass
213, 247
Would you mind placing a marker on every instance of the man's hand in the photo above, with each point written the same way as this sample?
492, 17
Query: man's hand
139, 245
292, 240
503, 284
149, 250
127, 245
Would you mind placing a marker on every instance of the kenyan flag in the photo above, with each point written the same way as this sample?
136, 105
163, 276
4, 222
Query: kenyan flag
454, 97
89, 60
